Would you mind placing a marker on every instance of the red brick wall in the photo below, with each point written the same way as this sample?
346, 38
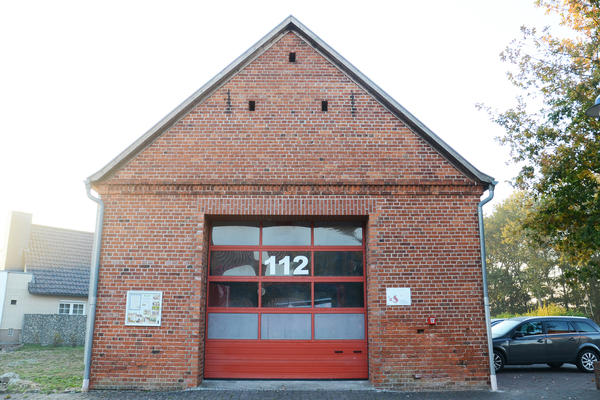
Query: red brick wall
288, 138
430, 244
289, 158
150, 242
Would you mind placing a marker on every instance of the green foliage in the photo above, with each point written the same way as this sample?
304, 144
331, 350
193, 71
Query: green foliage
550, 309
554, 142
545, 310
505, 315
58, 340
523, 272
507, 281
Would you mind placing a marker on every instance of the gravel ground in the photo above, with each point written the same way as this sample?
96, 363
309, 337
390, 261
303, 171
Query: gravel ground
515, 383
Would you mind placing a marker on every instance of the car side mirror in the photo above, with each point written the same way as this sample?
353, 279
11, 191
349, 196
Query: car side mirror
518, 335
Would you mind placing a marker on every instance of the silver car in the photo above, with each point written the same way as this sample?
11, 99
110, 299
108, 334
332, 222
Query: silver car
547, 340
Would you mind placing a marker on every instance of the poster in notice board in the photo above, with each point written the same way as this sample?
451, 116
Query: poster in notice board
143, 308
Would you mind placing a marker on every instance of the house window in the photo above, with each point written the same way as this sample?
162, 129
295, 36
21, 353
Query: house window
13, 302
69, 308
77, 309
64, 308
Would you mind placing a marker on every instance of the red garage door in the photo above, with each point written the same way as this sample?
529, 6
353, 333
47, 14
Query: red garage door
286, 301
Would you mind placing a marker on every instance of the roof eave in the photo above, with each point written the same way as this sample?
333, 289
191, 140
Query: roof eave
37, 292
291, 23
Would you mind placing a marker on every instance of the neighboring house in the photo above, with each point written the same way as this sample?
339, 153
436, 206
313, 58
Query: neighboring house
43, 270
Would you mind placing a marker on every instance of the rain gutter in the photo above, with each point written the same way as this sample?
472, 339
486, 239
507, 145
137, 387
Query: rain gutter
93, 289
486, 300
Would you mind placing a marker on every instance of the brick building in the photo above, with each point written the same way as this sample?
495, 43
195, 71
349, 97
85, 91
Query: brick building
290, 220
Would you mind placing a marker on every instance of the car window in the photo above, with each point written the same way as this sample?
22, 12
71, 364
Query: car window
530, 328
502, 328
583, 327
555, 327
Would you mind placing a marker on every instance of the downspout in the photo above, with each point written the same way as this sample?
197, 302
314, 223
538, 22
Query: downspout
486, 299
93, 289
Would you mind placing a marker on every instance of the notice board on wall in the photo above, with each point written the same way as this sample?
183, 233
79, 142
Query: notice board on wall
144, 308
398, 296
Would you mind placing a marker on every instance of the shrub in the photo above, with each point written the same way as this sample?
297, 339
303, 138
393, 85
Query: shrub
544, 310
58, 340
551, 309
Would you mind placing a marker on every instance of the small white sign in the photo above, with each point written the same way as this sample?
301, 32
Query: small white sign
397, 296
143, 308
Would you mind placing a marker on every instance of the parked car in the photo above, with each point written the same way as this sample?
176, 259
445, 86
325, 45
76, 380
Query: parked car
546, 340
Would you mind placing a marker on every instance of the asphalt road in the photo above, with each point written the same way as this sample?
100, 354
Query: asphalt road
537, 382
548, 383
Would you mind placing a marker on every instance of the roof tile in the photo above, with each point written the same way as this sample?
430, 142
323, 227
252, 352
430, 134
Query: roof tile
59, 260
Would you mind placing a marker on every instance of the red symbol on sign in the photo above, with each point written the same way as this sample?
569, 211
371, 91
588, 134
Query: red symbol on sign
431, 320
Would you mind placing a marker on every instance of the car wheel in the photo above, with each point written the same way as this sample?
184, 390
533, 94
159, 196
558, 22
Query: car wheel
555, 365
499, 361
586, 359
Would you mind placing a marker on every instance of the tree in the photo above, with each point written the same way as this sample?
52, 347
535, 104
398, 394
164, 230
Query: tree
523, 273
556, 144
519, 271
506, 278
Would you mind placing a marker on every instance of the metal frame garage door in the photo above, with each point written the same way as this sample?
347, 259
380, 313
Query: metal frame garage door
286, 301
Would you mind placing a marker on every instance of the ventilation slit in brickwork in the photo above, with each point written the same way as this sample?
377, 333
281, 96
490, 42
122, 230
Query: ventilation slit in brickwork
292, 57
251, 105
228, 100
324, 105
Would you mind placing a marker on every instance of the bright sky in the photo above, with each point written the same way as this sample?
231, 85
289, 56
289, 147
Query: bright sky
81, 80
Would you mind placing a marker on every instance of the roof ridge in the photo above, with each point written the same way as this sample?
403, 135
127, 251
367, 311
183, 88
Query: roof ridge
62, 229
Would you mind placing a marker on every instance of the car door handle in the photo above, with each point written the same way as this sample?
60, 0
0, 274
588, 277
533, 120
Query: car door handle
571, 339
541, 340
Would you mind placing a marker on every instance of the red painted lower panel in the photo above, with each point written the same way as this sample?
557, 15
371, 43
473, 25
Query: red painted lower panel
286, 359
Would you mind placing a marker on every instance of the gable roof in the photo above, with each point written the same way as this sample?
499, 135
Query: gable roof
59, 260
292, 24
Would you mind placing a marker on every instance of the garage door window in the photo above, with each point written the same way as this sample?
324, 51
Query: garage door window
295, 281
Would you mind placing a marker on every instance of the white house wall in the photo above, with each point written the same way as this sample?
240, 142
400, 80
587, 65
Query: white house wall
26, 303
3, 282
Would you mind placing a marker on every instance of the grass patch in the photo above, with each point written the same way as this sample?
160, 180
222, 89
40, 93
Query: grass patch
52, 369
